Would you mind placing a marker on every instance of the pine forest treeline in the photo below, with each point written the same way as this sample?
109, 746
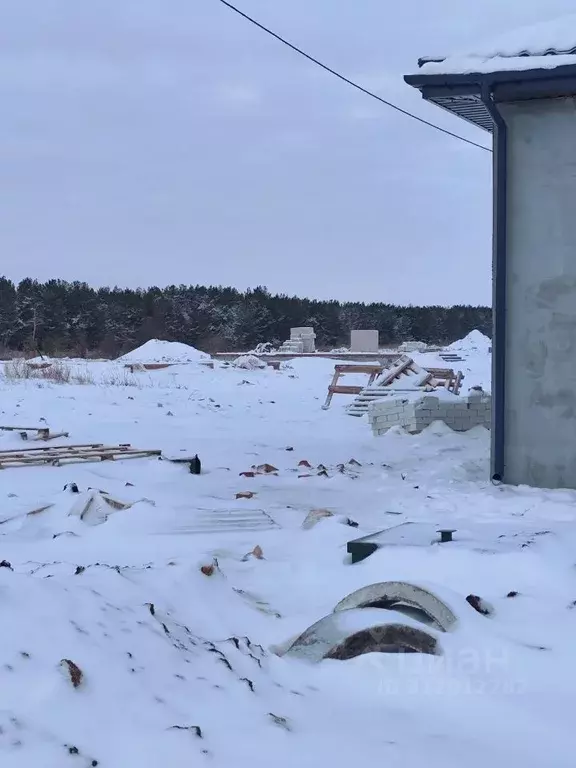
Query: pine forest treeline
57, 317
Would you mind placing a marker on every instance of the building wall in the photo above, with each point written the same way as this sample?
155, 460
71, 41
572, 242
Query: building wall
540, 394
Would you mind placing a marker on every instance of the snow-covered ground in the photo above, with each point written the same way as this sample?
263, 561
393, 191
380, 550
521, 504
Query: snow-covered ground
117, 651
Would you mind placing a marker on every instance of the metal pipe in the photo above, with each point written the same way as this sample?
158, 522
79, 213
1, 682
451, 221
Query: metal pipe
499, 248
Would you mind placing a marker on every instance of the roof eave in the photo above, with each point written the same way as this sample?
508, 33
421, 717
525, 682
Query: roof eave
461, 94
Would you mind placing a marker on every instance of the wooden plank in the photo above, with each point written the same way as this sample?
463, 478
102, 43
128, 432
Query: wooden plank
352, 368
25, 429
334, 383
342, 389
393, 373
67, 458
52, 451
441, 373
47, 435
50, 448
82, 454
458, 383
372, 378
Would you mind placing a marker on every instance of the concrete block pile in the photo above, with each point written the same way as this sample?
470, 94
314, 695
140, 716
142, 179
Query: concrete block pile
413, 346
302, 340
416, 413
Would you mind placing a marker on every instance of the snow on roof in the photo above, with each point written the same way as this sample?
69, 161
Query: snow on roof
546, 45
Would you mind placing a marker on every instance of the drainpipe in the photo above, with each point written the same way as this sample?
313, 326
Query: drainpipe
498, 284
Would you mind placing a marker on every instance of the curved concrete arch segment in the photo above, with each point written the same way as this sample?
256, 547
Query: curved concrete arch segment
349, 633
402, 597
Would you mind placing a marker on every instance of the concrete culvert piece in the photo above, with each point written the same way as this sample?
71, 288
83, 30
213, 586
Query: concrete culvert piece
402, 597
350, 633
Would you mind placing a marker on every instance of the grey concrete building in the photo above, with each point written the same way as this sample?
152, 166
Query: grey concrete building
522, 90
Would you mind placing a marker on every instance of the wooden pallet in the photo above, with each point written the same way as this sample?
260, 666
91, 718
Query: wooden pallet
67, 454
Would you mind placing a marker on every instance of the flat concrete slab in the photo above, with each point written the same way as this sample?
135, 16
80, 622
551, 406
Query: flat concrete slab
406, 535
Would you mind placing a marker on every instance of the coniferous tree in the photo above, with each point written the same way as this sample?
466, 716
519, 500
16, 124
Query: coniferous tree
57, 317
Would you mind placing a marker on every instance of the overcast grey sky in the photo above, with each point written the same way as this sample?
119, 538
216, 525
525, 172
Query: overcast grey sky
152, 142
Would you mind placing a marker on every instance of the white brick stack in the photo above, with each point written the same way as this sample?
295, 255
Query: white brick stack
413, 346
301, 340
416, 413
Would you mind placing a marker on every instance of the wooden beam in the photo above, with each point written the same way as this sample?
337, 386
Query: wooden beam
351, 368
342, 389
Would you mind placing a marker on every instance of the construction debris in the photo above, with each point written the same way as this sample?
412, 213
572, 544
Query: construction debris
346, 634
256, 553
404, 534
341, 389
314, 517
405, 597
403, 375
73, 671
194, 463
42, 433
451, 357
208, 570
220, 521
67, 454
480, 605
95, 506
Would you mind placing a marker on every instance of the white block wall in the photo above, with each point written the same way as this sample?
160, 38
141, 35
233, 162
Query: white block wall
415, 414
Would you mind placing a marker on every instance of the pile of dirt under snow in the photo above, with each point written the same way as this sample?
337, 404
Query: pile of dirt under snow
475, 341
158, 351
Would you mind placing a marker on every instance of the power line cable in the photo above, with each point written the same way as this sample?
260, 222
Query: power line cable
347, 80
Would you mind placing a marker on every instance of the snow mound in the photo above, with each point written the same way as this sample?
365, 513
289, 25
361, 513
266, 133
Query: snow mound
158, 351
110, 661
249, 363
475, 341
